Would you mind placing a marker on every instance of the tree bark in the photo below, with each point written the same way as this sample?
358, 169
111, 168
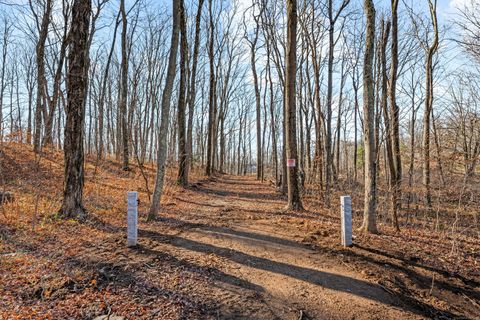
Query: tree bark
72, 205
428, 106
182, 177
394, 136
211, 102
294, 200
192, 92
124, 89
164, 122
389, 123
41, 81
48, 140
253, 61
369, 212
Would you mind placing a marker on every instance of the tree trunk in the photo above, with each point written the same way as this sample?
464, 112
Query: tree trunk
369, 213
389, 136
253, 48
124, 89
103, 91
72, 205
167, 94
412, 149
394, 136
192, 93
41, 81
428, 107
328, 123
182, 177
48, 141
355, 130
211, 102
294, 201
439, 151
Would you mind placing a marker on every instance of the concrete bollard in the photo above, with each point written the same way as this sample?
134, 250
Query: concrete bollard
346, 219
132, 218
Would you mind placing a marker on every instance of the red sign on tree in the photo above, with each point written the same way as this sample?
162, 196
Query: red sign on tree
290, 163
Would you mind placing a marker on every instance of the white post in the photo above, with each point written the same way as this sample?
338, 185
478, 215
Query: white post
346, 219
132, 218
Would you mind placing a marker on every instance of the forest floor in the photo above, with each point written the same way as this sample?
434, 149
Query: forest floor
224, 248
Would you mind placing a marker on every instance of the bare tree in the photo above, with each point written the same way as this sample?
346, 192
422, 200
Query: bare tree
432, 49
294, 200
42, 26
211, 96
253, 60
28, 62
103, 92
124, 88
332, 19
182, 177
369, 212
192, 87
394, 134
7, 26
469, 25
165, 110
52, 103
72, 204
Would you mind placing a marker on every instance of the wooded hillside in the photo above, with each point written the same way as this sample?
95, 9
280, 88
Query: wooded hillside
257, 136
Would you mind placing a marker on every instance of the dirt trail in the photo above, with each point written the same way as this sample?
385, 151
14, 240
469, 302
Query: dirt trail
266, 270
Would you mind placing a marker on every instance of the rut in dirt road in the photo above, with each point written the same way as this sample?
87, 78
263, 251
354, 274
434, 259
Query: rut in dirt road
242, 224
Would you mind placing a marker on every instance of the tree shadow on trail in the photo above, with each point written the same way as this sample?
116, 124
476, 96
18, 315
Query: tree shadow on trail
427, 281
226, 231
130, 278
230, 197
339, 283
242, 194
203, 204
316, 277
320, 278
212, 272
252, 235
111, 275
239, 182
237, 179
248, 184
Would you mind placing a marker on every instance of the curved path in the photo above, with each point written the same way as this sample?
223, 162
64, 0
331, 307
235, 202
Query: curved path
265, 270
